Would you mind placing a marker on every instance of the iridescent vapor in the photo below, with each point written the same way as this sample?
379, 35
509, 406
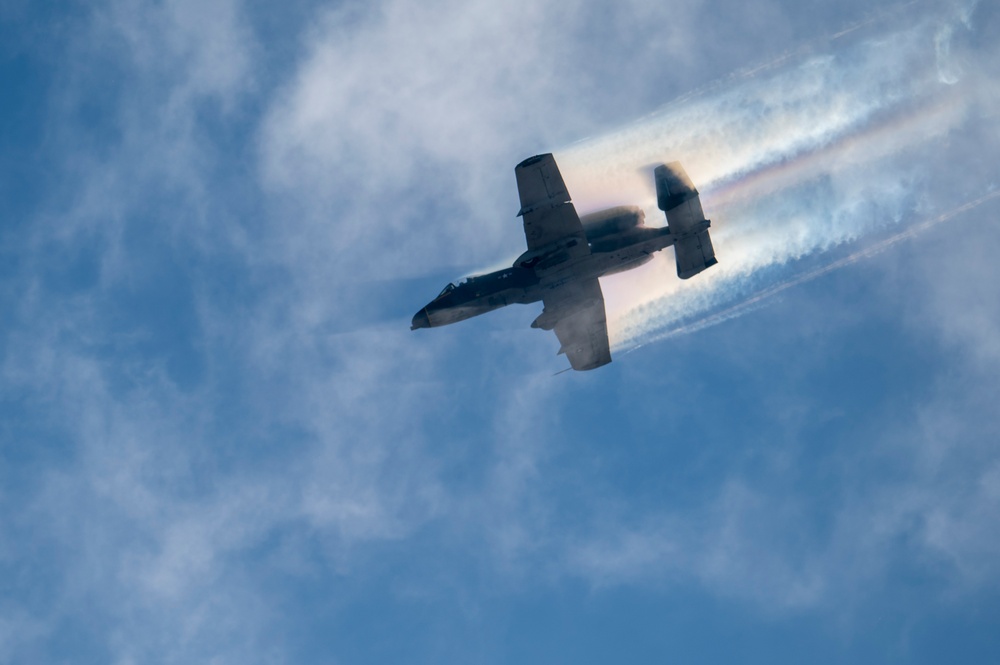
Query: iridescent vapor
792, 158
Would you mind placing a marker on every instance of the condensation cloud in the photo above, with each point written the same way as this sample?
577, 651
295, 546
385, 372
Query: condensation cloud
815, 150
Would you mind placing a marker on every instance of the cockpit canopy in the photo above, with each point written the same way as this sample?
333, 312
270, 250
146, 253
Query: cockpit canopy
451, 287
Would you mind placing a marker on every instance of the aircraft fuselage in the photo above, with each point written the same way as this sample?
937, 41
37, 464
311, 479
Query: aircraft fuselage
617, 240
567, 254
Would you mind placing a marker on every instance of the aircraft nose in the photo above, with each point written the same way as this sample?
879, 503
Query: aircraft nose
420, 320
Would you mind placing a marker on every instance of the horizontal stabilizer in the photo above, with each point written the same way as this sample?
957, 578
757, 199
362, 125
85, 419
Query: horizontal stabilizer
694, 253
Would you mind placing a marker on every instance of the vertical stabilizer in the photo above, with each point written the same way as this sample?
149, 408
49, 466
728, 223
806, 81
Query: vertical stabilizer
677, 197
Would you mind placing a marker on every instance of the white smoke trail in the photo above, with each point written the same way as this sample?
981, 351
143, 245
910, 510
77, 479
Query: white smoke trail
791, 159
757, 299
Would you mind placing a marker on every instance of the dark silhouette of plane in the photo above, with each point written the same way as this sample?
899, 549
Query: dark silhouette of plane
568, 253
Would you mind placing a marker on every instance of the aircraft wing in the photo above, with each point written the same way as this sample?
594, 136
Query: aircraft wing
576, 312
545, 204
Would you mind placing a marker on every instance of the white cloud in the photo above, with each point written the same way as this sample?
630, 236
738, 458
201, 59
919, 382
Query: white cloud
917, 495
399, 132
737, 544
305, 448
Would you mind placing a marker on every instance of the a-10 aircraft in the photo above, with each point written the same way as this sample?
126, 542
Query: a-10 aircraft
568, 253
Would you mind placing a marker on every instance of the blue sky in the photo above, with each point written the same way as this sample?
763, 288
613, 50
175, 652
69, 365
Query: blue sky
219, 441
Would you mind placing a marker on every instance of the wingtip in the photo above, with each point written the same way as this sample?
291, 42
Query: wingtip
533, 160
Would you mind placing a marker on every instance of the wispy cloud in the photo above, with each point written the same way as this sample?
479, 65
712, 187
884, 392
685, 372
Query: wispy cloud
208, 426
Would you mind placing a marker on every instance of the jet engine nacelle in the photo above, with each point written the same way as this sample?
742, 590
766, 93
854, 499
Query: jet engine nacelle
612, 221
550, 255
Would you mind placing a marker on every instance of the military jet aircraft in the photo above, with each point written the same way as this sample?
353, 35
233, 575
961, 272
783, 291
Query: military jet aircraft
567, 254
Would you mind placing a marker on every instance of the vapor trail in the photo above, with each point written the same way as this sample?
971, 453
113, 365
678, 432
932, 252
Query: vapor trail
803, 154
754, 301
798, 53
